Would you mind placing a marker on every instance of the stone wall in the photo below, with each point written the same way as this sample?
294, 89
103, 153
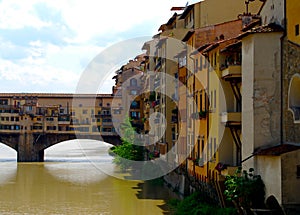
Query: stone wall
291, 66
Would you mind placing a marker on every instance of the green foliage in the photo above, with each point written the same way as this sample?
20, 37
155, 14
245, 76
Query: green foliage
130, 150
195, 204
245, 188
152, 96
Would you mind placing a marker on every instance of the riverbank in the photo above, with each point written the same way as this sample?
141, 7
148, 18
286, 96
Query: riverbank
197, 204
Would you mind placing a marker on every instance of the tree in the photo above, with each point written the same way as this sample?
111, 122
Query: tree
131, 149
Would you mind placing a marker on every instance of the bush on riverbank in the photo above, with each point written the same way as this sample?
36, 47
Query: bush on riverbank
195, 205
130, 150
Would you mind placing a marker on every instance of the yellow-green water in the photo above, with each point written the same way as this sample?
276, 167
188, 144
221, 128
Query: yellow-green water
75, 187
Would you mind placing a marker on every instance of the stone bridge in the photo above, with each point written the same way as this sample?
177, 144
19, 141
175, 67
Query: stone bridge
30, 147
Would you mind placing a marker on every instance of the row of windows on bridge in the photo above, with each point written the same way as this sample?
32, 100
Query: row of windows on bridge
12, 118
58, 128
5, 102
103, 112
51, 119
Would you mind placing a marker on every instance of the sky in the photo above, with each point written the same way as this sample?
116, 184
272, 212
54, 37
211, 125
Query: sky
46, 46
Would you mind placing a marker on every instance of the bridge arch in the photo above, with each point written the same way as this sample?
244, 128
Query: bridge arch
7, 153
30, 146
76, 150
43, 142
10, 140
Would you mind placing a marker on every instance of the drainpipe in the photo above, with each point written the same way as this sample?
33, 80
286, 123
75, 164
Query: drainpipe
282, 139
207, 120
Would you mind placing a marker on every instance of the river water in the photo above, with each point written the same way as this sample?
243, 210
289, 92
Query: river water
75, 179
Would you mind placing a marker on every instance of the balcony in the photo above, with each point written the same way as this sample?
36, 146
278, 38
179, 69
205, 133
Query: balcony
229, 170
231, 117
232, 71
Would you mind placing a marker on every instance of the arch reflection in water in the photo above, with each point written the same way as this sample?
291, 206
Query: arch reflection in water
74, 161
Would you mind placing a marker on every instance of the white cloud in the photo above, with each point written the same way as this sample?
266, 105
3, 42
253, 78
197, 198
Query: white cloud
91, 18
19, 14
45, 64
34, 76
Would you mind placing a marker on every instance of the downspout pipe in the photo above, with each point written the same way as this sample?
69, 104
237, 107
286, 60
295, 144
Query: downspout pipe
282, 39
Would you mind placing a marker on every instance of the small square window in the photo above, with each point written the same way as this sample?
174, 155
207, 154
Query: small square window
297, 30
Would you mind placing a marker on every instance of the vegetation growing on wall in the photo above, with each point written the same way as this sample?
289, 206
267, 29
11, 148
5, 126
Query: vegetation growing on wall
196, 204
245, 189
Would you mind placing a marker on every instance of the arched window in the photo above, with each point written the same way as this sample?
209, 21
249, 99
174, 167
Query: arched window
294, 97
133, 82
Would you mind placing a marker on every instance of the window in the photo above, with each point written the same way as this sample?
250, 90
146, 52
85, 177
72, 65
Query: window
29, 108
215, 59
211, 99
133, 92
297, 30
182, 61
201, 63
84, 111
196, 65
135, 115
133, 82
215, 147
95, 129
135, 105
201, 95
3, 102
215, 99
